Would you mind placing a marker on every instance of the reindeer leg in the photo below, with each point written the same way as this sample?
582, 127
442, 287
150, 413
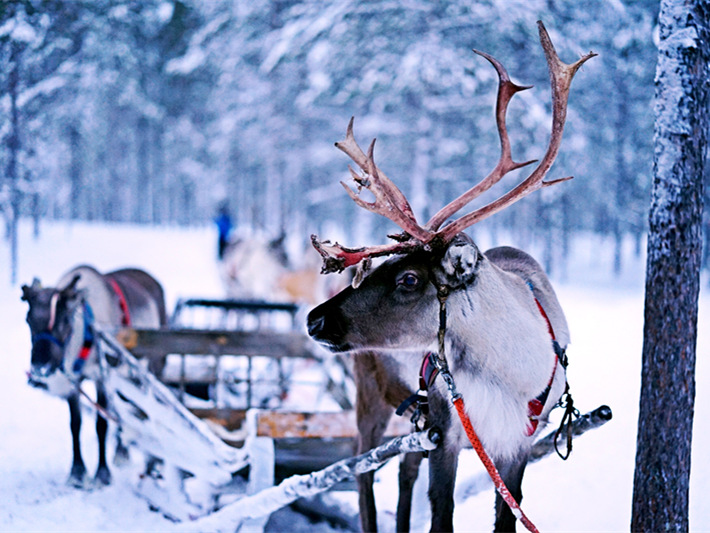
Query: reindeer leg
103, 474
77, 476
121, 456
512, 474
442, 467
372, 415
408, 473
442, 476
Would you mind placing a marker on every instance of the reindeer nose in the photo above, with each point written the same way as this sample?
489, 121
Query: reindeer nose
315, 325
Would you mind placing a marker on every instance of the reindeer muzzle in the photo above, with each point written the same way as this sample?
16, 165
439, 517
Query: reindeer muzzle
327, 329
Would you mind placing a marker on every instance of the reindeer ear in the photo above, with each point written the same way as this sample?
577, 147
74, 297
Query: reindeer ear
459, 265
28, 291
70, 289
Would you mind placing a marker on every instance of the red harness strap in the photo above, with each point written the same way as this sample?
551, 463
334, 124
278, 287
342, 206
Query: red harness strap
420, 399
122, 303
536, 405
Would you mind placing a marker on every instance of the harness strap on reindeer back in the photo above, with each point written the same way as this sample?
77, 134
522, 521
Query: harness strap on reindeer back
122, 302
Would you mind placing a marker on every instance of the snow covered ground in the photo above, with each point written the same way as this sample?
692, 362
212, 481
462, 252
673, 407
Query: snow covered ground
589, 492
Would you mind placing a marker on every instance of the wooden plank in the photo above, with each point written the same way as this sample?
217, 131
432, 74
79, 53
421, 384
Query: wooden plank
303, 442
303, 456
341, 424
295, 425
229, 419
157, 343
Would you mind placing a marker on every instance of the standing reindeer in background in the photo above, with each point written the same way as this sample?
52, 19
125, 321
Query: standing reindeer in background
62, 323
495, 314
254, 268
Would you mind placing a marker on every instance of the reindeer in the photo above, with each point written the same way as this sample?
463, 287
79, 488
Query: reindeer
495, 314
62, 322
255, 268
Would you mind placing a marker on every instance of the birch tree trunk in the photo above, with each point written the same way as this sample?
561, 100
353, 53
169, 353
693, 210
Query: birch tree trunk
660, 499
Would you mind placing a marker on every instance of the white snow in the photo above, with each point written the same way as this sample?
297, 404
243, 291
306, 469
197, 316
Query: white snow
589, 492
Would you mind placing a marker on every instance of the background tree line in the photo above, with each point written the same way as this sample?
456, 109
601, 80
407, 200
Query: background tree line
155, 111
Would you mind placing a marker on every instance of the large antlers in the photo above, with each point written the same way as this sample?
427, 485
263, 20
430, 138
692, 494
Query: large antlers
391, 202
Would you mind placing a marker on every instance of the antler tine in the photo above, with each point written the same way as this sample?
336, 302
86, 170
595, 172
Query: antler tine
351, 148
506, 90
389, 202
561, 75
337, 258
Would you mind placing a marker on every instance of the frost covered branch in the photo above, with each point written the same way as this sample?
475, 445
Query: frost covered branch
269, 500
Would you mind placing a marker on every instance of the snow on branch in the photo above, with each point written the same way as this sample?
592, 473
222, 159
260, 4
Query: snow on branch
269, 500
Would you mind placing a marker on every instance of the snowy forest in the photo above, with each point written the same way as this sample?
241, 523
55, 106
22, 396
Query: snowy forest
156, 112
127, 126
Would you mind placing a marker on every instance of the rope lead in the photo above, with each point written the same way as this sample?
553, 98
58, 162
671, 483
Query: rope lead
491, 468
442, 293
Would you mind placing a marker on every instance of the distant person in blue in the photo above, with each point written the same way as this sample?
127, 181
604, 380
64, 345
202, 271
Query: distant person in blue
224, 226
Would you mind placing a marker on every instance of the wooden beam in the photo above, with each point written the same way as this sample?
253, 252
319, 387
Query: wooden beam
283, 424
158, 343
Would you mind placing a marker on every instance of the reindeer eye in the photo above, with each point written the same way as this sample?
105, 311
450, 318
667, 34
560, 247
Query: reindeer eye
408, 280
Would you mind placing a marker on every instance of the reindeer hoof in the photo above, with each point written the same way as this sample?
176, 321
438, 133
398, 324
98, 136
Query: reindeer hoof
103, 477
77, 477
122, 456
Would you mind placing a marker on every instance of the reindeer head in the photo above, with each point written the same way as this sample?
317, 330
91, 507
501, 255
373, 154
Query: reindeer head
395, 306
49, 317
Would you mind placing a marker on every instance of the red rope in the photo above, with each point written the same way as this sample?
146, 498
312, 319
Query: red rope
491, 468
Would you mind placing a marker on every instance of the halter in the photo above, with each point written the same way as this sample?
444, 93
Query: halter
122, 302
88, 334
48, 336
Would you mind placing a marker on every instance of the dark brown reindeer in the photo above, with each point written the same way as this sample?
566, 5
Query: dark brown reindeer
505, 329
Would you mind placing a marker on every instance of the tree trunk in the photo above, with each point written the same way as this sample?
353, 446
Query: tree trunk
14, 150
143, 179
76, 178
160, 189
660, 499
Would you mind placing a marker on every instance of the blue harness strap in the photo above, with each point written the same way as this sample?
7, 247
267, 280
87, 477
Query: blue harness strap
88, 341
47, 336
